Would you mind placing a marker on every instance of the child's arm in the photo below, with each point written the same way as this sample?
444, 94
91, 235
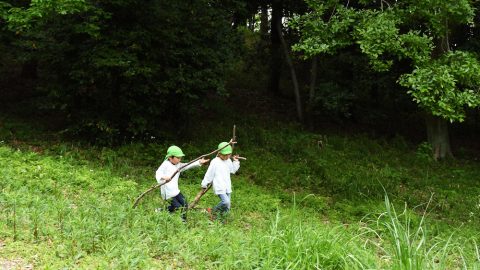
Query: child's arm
193, 165
209, 175
234, 165
161, 175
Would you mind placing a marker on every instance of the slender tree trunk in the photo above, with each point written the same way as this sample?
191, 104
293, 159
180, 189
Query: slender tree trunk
437, 127
438, 137
313, 80
296, 89
251, 23
264, 44
275, 48
311, 93
264, 21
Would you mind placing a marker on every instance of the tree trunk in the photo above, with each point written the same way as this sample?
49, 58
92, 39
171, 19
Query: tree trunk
264, 22
296, 89
251, 23
437, 132
313, 80
311, 94
437, 127
275, 48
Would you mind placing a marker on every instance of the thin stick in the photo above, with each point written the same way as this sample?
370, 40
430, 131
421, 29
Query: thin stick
232, 142
234, 138
199, 195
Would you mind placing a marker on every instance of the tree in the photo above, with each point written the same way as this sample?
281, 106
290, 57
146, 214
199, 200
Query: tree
443, 81
126, 68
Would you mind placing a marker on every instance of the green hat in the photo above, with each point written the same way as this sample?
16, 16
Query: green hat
225, 151
174, 151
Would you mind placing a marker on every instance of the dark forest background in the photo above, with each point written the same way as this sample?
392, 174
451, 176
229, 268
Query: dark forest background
111, 72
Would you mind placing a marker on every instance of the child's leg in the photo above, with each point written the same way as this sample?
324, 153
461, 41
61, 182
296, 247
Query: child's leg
178, 202
224, 204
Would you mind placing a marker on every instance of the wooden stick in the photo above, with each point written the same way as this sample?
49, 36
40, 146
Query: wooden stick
232, 142
234, 138
195, 201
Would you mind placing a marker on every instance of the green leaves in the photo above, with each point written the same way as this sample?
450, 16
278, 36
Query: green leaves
377, 33
119, 68
4, 7
447, 85
439, 15
443, 84
416, 46
380, 38
19, 19
325, 30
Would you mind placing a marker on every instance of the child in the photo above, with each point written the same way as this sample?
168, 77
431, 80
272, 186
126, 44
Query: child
219, 173
169, 166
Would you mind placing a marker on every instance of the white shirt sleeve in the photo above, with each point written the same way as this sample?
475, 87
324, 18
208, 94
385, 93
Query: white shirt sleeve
234, 166
160, 173
193, 165
209, 175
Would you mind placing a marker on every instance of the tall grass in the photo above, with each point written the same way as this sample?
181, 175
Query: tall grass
404, 242
76, 216
294, 242
67, 206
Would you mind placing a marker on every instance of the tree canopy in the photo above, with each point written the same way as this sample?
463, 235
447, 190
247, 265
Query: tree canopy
123, 67
114, 70
443, 80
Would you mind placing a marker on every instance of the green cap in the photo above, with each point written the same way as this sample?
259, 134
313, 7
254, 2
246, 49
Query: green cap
174, 151
225, 151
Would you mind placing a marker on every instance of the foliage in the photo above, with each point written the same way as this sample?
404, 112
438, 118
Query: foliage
408, 242
436, 86
299, 202
333, 99
328, 28
125, 68
413, 31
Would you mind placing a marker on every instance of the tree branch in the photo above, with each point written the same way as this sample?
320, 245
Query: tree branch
195, 201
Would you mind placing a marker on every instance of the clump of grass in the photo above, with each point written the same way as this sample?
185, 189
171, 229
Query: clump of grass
406, 245
298, 239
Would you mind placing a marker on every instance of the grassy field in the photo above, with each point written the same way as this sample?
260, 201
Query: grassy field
300, 201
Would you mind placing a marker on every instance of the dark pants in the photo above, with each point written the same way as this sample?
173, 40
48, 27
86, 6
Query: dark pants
177, 202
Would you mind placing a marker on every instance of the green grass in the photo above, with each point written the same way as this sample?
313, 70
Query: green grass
297, 204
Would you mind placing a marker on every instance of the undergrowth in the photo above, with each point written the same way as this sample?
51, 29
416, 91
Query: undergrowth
300, 201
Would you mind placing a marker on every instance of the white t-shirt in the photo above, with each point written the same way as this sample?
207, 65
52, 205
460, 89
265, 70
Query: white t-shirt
167, 169
219, 173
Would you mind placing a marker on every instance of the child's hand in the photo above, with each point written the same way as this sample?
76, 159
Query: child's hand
166, 178
235, 157
203, 161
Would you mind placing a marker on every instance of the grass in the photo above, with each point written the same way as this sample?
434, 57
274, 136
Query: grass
297, 204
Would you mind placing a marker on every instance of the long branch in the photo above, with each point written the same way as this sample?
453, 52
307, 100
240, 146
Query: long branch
199, 195
232, 142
